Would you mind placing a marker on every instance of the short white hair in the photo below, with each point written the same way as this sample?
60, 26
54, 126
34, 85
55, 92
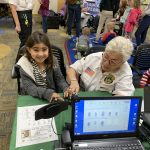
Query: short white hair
121, 45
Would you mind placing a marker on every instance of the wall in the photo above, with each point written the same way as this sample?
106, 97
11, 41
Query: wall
53, 5
60, 3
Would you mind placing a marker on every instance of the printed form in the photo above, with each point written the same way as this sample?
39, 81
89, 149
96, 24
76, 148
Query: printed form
31, 131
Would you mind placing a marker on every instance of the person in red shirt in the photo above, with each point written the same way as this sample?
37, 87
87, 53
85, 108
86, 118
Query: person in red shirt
145, 80
132, 19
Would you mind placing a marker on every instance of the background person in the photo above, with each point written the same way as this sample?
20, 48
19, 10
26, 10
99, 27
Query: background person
44, 12
74, 13
22, 15
145, 80
85, 15
105, 71
110, 34
123, 18
108, 8
40, 73
63, 14
132, 19
142, 29
84, 42
122, 7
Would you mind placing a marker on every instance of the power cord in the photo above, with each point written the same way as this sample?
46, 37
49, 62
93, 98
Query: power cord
145, 133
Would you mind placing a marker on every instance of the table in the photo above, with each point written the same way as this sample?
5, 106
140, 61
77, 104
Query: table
60, 119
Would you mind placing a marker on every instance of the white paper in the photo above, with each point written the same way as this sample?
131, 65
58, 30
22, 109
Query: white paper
29, 131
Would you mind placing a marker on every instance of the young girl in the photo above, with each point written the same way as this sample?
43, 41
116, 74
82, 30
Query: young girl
122, 8
132, 19
110, 34
83, 43
123, 18
44, 12
39, 70
145, 80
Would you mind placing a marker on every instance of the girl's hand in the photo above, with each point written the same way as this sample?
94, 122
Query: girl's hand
56, 97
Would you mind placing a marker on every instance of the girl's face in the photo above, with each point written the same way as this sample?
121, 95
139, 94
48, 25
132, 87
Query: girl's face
39, 52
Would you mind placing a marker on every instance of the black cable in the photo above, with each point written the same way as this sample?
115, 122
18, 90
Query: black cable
145, 134
142, 125
53, 127
146, 128
61, 148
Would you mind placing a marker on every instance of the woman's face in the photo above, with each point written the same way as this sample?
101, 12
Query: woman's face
39, 52
111, 61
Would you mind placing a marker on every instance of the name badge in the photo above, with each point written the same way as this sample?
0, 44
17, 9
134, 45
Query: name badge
109, 78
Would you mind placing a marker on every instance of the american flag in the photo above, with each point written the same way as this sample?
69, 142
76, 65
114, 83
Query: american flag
89, 71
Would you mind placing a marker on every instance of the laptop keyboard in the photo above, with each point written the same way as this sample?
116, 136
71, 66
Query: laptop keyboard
132, 146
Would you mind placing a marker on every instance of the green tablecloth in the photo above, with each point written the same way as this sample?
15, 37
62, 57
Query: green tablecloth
60, 119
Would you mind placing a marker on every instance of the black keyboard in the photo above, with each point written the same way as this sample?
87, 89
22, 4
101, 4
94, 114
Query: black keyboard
131, 146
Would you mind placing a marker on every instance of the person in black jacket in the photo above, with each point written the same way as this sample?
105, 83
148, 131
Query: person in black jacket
108, 8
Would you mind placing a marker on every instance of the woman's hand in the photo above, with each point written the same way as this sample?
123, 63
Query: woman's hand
74, 86
68, 93
72, 89
56, 97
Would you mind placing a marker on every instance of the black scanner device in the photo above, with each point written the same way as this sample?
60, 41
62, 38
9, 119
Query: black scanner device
54, 108
51, 110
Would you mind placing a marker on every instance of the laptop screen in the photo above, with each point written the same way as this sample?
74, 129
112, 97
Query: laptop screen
106, 116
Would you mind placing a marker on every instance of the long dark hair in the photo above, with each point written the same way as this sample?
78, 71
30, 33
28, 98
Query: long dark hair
39, 37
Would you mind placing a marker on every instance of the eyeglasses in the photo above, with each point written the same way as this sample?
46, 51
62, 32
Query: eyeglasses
112, 62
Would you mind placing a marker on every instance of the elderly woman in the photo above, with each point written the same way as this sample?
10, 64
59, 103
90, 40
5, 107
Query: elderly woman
105, 71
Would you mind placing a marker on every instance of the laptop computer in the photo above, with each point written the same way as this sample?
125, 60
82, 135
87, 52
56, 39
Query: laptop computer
147, 99
106, 123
